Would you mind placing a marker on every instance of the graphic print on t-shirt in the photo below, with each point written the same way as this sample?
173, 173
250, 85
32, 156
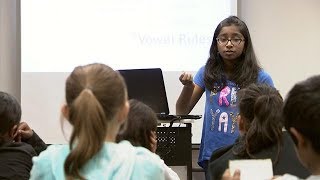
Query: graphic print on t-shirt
223, 96
233, 96
214, 115
223, 120
234, 121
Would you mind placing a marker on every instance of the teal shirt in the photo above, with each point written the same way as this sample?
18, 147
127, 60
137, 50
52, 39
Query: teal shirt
114, 161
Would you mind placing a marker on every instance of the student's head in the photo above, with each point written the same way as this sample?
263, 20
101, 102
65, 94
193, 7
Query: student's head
96, 106
141, 125
301, 113
231, 39
232, 45
260, 117
10, 115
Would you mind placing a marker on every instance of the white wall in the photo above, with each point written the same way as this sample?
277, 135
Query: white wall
37, 85
10, 67
286, 37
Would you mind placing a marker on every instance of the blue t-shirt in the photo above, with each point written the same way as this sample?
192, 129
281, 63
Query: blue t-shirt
220, 127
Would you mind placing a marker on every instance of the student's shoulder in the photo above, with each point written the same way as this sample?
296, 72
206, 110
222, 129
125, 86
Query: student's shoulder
53, 154
150, 165
264, 77
11, 156
18, 148
150, 162
147, 164
262, 73
199, 77
55, 149
201, 69
141, 153
49, 163
146, 156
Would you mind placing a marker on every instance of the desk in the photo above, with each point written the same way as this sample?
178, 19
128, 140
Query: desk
174, 144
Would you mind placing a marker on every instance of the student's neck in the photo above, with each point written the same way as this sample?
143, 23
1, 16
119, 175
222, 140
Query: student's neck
316, 172
228, 68
314, 166
110, 138
112, 132
5, 139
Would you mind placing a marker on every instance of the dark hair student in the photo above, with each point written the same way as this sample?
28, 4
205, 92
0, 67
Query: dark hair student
18, 142
261, 136
140, 129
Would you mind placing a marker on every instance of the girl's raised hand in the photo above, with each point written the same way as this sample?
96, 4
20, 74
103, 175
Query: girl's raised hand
186, 79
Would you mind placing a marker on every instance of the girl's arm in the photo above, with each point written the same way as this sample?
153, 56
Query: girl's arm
190, 95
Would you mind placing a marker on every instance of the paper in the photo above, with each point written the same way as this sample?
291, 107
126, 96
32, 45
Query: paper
253, 169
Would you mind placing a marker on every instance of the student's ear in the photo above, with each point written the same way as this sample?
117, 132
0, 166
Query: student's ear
123, 114
13, 131
153, 141
301, 141
65, 111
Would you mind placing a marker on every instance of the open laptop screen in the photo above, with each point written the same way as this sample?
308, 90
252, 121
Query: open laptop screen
147, 86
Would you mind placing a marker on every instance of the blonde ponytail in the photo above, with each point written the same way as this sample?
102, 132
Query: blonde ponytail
88, 119
94, 95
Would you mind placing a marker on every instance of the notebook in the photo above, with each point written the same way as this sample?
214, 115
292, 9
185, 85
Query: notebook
147, 86
251, 169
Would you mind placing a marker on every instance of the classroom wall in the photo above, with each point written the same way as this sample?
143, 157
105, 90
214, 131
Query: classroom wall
285, 35
10, 66
286, 38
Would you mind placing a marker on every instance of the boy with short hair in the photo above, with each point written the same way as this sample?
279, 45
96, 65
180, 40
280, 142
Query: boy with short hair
301, 113
18, 143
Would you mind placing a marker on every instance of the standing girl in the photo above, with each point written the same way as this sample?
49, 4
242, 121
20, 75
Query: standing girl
231, 65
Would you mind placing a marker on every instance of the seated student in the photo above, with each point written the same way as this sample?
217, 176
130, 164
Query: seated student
301, 113
96, 107
18, 143
260, 126
140, 129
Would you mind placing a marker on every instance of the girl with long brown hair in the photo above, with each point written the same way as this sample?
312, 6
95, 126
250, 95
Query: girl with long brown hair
96, 106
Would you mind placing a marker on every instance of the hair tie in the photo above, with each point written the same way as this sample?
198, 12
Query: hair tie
88, 90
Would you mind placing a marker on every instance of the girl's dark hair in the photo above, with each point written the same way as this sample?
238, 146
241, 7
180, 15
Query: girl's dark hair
140, 123
260, 109
302, 110
10, 113
94, 94
246, 68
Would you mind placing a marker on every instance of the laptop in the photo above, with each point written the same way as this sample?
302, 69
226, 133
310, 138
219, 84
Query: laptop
147, 86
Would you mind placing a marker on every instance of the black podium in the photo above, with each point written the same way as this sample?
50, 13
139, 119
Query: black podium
175, 146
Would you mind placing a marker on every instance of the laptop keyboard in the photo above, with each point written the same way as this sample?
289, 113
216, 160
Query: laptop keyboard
176, 117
